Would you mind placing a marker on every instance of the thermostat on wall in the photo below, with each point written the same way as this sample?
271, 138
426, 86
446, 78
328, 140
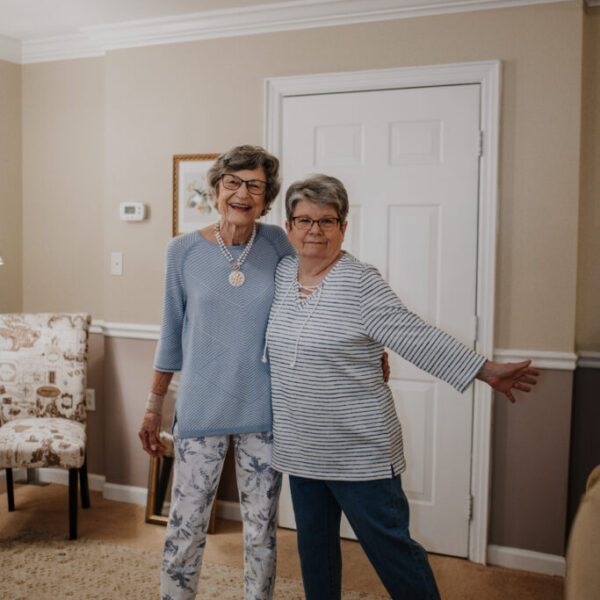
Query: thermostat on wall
132, 211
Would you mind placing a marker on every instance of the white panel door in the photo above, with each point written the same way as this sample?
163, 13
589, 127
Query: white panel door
410, 160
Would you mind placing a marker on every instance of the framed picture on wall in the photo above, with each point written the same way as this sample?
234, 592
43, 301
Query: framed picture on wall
193, 207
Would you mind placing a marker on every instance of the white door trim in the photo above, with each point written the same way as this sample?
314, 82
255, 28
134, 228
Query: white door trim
487, 74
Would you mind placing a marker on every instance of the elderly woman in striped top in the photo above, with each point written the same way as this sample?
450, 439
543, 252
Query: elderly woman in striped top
331, 317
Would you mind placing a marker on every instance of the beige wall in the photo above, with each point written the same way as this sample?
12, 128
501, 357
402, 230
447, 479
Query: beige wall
11, 226
100, 131
203, 97
588, 280
63, 186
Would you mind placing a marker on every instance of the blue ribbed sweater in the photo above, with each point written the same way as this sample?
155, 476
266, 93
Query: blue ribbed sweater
213, 333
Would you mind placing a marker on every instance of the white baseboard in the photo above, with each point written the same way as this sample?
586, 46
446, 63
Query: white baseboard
61, 476
228, 510
125, 493
115, 491
18, 474
526, 560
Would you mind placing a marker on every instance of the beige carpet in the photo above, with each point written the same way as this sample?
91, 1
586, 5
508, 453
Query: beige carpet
46, 566
122, 524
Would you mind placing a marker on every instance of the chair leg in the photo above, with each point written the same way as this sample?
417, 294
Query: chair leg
73, 504
10, 490
83, 483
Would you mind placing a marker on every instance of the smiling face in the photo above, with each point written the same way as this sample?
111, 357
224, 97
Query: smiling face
239, 207
315, 243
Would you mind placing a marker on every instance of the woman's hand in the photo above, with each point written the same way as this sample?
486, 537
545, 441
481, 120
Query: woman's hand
505, 377
148, 434
385, 366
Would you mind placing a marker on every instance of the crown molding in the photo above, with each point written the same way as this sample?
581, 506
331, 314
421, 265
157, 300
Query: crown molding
266, 18
10, 49
283, 16
64, 47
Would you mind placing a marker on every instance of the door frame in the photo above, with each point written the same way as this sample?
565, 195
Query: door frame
488, 75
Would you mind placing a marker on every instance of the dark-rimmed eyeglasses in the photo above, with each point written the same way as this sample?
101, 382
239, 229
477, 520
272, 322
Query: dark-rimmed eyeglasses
306, 223
256, 187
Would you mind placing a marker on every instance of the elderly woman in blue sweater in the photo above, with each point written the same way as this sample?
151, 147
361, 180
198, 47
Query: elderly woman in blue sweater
331, 317
218, 292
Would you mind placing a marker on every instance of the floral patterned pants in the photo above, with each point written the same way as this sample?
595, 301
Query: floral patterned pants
198, 466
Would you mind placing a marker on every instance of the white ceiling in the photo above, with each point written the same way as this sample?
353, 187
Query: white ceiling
34, 19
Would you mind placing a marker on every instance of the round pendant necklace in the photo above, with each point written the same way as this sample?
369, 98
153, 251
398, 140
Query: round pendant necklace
236, 277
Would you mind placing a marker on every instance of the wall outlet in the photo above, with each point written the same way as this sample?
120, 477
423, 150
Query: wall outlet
90, 399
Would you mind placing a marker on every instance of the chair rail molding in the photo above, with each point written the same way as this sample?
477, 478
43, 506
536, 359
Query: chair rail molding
136, 331
563, 361
587, 358
542, 359
289, 15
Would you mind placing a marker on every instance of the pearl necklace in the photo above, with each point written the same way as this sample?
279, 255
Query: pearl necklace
236, 277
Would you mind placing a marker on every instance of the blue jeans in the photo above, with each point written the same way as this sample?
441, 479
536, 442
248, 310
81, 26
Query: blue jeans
378, 513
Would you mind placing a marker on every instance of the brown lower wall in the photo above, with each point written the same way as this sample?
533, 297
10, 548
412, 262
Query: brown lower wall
585, 438
530, 443
96, 430
530, 466
127, 379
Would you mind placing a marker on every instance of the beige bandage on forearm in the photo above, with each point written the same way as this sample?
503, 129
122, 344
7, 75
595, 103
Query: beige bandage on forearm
154, 403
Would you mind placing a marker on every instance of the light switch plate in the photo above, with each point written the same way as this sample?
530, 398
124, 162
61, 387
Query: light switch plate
116, 263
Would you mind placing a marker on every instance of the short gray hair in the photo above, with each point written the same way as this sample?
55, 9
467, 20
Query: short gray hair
318, 189
247, 157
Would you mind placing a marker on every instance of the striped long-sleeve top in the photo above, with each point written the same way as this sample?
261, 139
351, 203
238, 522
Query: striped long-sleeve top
333, 415
213, 333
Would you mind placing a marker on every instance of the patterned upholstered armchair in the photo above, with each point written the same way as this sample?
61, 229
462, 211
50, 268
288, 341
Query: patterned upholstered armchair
43, 368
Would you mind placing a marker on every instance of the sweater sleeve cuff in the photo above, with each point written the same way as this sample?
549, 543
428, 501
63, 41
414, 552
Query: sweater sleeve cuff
469, 372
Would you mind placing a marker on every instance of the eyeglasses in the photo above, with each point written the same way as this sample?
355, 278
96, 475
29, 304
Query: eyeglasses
256, 187
306, 223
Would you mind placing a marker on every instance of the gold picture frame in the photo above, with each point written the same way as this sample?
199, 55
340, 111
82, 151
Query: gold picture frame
192, 205
160, 472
